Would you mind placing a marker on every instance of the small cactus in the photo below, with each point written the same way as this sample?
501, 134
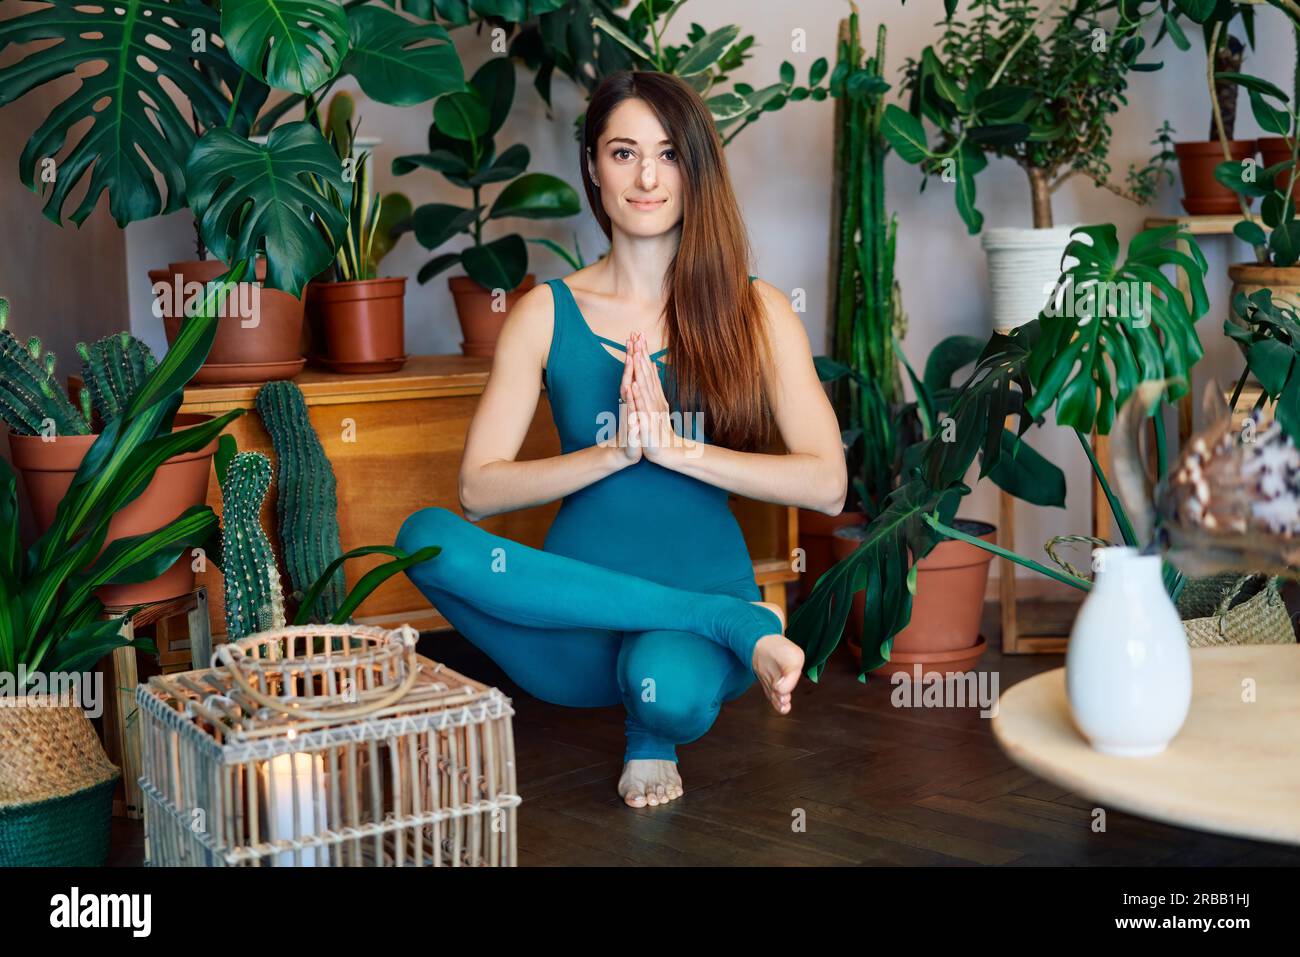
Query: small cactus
307, 505
254, 601
30, 396
113, 369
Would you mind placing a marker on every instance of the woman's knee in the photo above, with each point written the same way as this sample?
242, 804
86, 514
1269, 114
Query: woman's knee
673, 682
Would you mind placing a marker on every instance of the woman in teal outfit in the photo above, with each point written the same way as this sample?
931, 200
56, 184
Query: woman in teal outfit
643, 592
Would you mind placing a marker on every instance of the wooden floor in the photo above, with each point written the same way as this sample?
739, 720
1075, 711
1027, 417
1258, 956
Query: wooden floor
875, 784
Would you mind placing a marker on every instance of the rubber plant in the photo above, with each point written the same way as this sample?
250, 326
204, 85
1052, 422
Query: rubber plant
248, 197
463, 149
1083, 356
50, 619
1001, 84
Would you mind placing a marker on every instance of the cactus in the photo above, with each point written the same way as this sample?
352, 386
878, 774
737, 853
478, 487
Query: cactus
29, 394
113, 369
307, 504
254, 601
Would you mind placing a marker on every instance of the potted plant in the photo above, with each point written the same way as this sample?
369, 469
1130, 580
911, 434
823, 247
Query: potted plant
1203, 194
1084, 355
462, 149
248, 198
358, 317
55, 810
50, 437
995, 87
883, 431
1275, 235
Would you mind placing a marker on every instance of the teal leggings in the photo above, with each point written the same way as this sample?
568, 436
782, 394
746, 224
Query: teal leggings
575, 634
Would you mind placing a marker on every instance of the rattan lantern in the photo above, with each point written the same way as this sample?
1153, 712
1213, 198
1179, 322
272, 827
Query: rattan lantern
327, 746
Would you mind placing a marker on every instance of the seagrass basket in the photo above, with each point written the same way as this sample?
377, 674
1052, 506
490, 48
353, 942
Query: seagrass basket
327, 746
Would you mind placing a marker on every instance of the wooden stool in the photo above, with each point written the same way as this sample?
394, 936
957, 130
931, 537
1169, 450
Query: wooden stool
189, 650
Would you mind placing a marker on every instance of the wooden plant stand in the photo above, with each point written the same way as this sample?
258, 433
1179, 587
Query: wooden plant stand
184, 643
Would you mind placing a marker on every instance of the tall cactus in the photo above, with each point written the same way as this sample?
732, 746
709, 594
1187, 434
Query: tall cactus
254, 601
113, 369
307, 503
30, 396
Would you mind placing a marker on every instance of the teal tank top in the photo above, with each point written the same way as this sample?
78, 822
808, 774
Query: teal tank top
645, 519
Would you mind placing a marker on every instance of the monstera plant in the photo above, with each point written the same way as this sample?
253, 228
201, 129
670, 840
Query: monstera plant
224, 60
1117, 322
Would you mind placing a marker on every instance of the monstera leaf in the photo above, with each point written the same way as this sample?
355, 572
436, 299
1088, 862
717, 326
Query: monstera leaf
1119, 324
882, 565
251, 198
135, 129
296, 45
400, 62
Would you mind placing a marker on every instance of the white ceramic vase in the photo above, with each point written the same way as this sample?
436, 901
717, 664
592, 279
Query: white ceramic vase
1128, 670
1024, 267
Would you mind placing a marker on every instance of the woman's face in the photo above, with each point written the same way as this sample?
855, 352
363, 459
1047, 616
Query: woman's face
636, 168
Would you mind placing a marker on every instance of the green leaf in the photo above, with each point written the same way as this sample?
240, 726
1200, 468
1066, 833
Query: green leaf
536, 196
140, 132
1198, 10
970, 160
1284, 244
600, 23
948, 358
1253, 83
1023, 472
435, 223
462, 116
905, 134
1250, 232
1234, 175
707, 51
367, 584
296, 45
500, 264
251, 198
398, 61
1271, 119
1176, 32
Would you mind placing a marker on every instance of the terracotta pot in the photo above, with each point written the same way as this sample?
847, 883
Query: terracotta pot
359, 323
1203, 195
1274, 150
817, 539
479, 322
1284, 281
943, 633
180, 483
269, 347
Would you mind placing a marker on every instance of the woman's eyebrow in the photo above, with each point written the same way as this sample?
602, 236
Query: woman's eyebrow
624, 139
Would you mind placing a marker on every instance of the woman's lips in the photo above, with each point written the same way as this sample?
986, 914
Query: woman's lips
646, 205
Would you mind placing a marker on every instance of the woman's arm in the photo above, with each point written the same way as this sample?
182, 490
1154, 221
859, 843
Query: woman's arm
813, 473
491, 481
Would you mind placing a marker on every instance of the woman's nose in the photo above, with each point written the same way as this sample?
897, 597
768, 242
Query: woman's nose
648, 173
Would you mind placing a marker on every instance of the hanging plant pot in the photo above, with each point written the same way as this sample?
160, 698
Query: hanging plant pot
943, 633
1024, 267
180, 483
56, 785
259, 337
359, 326
1274, 150
1203, 195
480, 323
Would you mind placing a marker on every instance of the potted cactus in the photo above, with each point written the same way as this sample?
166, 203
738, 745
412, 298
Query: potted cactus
461, 147
50, 437
357, 316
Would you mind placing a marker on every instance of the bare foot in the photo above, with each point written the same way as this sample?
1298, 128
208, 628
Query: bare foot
649, 781
777, 663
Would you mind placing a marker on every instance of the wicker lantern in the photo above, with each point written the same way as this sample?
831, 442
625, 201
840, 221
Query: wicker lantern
327, 745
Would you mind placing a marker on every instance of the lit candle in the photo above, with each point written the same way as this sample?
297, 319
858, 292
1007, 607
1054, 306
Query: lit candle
305, 774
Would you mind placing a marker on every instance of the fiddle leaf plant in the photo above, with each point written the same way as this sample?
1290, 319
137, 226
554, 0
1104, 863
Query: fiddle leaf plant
462, 149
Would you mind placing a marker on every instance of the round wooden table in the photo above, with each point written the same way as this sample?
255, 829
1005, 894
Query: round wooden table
1234, 768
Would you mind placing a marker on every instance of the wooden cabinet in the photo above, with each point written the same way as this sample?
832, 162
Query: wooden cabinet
395, 441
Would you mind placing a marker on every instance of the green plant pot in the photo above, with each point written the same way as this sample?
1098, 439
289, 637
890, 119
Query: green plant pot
68, 831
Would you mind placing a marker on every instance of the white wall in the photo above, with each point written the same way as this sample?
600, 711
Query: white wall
781, 169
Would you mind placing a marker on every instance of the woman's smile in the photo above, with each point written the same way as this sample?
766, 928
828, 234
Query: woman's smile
646, 205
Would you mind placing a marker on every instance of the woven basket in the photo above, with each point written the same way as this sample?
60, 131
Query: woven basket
1210, 617
56, 785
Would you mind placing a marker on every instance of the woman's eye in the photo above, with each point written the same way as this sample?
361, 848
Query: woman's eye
670, 155
618, 153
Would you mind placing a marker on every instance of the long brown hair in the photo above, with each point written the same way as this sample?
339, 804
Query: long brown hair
714, 316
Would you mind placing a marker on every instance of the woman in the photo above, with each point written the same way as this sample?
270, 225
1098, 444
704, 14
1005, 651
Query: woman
644, 591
